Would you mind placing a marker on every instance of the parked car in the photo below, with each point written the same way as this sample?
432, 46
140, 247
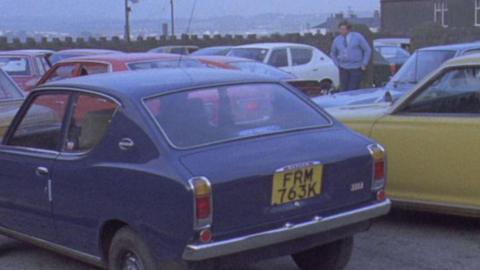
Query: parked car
26, 67
310, 88
382, 70
305, 62
169, 174
11, 97
65, 54
404, 43
183, 50
106, 63
395, 56
431, 137
419, 65
218, 50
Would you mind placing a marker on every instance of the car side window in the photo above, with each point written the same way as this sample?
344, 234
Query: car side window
63, 72
89, 122
279, 58
41, 125
40, 66
93, 68
301, 56
457, 91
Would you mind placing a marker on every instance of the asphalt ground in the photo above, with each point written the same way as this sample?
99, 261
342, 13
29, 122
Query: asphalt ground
403, 240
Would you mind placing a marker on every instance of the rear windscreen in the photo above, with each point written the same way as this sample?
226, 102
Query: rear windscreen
197, 117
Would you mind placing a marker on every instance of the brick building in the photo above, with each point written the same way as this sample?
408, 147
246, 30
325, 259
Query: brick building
401, 16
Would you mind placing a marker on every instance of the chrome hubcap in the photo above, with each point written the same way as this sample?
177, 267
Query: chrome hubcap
131, 262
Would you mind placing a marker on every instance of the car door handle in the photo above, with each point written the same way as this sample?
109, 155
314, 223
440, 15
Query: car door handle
41, 171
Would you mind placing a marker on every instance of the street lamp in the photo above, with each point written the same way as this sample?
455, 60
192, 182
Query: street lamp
128, 10
172, 16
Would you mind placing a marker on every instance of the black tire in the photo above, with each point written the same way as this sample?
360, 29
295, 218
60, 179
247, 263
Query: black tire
127, 248
326, 85
332, 256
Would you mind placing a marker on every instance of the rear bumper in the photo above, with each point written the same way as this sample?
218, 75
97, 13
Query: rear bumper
287, 233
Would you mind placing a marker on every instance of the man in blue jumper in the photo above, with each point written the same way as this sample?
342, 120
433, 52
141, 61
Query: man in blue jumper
351, 53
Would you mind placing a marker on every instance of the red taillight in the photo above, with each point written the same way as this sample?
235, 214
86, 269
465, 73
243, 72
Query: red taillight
381, 195
206, 236
203, 208
379, 169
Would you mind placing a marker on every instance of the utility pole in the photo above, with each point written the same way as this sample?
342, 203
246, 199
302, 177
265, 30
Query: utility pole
172, 14
127, 21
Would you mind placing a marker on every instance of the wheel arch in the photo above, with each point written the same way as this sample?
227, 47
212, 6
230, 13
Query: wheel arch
106, 234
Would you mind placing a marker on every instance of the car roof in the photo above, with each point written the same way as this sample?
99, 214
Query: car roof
466, 60
87, 51
29, 52
221, 59
272, 45
20, 53
453, 47
144, 83
176, 46
217, 47
122, 57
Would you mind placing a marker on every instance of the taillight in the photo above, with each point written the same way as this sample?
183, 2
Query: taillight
202, 192
379, 166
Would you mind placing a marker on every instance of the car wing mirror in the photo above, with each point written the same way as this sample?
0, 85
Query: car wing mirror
388, 97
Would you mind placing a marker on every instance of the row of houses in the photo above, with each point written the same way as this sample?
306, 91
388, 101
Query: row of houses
401, 16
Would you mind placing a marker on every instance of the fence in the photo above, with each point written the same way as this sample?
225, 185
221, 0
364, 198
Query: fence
320, 41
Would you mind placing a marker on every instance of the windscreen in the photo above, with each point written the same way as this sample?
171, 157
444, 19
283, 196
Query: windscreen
198, 117
421, 64
15, 65
256, 54
7, 89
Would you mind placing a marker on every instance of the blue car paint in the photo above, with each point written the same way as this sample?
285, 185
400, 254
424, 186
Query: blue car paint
147, 189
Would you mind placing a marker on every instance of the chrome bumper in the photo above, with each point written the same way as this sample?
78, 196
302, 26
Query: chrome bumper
288, 232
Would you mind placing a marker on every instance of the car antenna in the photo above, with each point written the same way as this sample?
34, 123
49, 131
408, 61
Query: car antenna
190, 19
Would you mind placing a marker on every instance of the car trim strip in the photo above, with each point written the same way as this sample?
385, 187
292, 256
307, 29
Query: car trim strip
290, 231
75, 254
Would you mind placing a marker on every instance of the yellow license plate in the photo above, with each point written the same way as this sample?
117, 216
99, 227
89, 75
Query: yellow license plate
297, 183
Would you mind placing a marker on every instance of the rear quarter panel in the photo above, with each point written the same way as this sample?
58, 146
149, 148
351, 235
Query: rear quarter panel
140, 187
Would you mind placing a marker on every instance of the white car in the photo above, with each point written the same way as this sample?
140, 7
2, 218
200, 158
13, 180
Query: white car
303, 61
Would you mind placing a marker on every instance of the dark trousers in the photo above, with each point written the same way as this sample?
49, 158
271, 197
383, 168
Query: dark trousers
350, 79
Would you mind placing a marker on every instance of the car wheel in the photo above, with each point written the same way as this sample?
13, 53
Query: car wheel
326, 85
332, 256
129, 252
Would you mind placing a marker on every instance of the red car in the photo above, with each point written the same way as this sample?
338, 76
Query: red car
25, 67
310, 88
96, 64
70, 53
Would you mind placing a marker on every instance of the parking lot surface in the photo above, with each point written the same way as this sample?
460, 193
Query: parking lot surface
403, 240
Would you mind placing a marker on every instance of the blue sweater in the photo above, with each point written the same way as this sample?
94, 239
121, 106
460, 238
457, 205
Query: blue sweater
351, 52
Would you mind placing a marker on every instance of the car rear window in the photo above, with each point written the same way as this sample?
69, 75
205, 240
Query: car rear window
197, 117
15, 65
172, 63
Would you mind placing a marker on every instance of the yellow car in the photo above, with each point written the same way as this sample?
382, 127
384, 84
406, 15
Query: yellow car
432, 139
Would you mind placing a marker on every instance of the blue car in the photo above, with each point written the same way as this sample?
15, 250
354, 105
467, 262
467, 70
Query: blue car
418, 66
186, 169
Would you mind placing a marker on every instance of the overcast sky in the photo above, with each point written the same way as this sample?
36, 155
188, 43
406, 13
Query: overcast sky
90, 9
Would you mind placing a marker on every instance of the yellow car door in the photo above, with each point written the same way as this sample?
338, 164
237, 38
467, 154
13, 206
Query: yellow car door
433, 143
